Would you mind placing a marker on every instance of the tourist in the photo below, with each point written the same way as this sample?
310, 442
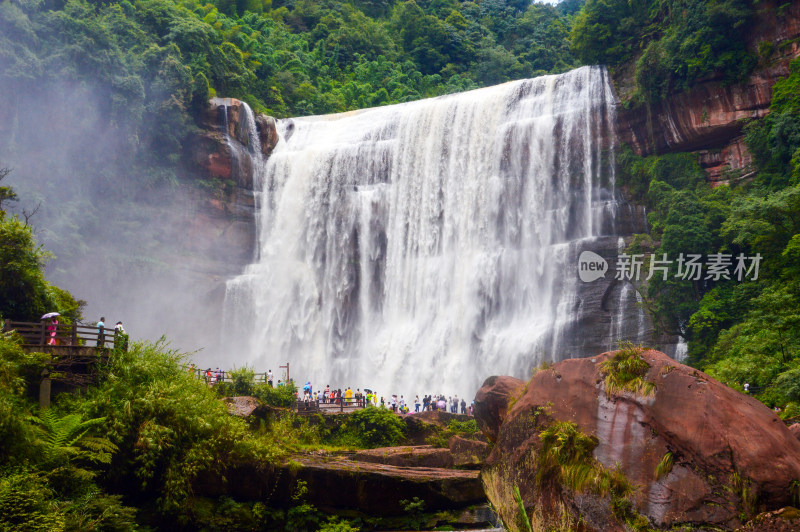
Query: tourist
442, 404
269, 378
463, 406
279, 383
416, 404
53, 330
383, 403
402, 403
348, 396
746, 388
101, 332
394, 403
326, 394
120, 337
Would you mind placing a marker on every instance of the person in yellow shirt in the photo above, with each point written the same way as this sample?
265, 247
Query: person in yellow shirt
348, 395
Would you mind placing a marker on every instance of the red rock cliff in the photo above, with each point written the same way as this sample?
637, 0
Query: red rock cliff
708, 118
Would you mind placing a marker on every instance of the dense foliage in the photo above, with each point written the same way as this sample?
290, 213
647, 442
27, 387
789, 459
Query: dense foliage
672, 43
740, 332
164, 58
125, 454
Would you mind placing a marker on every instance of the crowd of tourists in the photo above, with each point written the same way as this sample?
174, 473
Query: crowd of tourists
430, 403
357, 397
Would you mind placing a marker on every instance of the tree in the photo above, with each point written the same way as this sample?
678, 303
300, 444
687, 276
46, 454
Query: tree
6, 193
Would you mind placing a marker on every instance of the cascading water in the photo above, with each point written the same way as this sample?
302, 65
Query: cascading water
420, 247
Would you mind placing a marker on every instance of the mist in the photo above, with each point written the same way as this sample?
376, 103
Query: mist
135, 241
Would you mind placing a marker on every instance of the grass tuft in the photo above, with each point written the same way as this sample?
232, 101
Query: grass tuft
664, 466
625, 372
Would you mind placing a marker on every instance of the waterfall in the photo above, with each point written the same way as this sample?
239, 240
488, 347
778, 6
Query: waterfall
421, 247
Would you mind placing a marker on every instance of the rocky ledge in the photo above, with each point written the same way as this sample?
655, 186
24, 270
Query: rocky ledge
340, 481
691, 451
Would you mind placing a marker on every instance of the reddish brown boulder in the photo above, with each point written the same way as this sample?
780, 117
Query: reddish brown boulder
795, 429
468, 453
731, 455
491, 403
407, 456
267, 133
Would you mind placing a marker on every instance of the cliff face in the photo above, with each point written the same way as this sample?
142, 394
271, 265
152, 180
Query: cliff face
208, 231
708, 118
218, 227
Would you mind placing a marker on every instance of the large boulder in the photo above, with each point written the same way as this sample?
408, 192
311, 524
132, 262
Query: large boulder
267, 133
491, 403
691, 451
466, 452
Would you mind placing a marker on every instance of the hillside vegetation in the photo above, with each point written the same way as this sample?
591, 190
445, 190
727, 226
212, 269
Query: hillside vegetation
739, 332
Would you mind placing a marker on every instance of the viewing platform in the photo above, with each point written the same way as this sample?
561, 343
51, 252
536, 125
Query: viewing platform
75, 351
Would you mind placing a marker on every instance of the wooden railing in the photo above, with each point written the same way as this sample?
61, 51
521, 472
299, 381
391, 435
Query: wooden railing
44, 334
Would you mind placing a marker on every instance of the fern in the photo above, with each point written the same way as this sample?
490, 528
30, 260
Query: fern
65, 438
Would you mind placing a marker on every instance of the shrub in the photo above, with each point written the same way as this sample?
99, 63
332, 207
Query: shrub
243, 380
376, 427
168, 425
566, 461
25, 504
468, 427
664, 466
281, 396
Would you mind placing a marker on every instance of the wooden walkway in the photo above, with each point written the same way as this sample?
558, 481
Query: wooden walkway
45, 335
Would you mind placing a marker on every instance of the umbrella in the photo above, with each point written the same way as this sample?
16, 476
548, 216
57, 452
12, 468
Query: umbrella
50, 315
